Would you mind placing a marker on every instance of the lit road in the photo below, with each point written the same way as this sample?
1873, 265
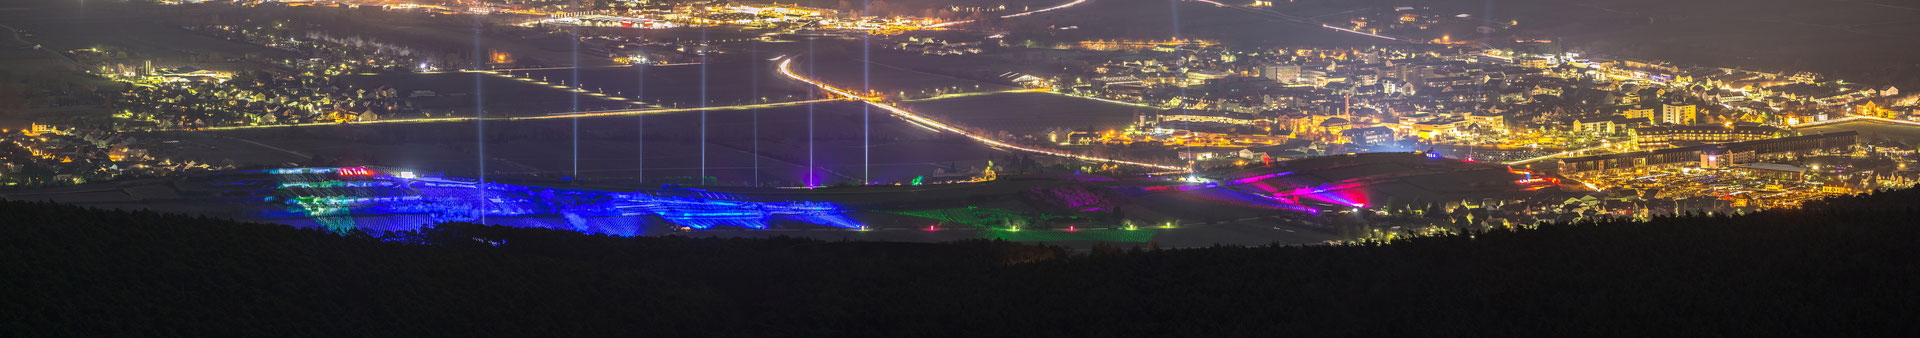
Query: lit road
960, 95
787, 70
1014, 15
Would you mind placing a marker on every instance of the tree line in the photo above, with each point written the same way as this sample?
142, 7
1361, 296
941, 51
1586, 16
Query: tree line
1842, 266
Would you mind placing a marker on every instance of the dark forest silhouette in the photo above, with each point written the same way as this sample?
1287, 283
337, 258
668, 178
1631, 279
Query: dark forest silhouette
1839, 267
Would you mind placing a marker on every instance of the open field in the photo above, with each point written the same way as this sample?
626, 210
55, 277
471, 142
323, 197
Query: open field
522, 93
144, 32
453, 94
1859, 40
727, 83
1028, 113
1206, 223
845, 70
1237, 213
610, 148
1872, 130
167, 45
455, 35
1161, 20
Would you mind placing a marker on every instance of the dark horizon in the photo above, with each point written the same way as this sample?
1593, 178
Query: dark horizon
1194, 167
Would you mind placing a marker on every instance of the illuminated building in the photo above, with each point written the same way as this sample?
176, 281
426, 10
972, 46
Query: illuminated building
1536, 62
191, 73
1208, 116
1336, 126
1369, 136
497, 57
39, 129
778, 10
1681, 114
1599, 125
1488, 120
1280, 72
1202, 76
616, 21
1643, 114
1653, 137
1436, 128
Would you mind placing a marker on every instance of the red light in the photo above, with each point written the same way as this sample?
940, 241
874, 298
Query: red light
930, 228
626, 23
355, 171
1537, 180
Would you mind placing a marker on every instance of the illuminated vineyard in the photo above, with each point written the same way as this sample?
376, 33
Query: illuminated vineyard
358, 197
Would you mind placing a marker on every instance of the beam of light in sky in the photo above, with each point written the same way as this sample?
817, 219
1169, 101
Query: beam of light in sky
866, 112
703, 104
810, 180
640, 123
479, 118
1173, 8
576, 100
755, 51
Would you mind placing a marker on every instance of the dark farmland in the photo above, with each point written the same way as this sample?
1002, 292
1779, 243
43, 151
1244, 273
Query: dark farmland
610, 147
1029, 113
142, 33
846, 70
453, 94
1871, 130
727, 83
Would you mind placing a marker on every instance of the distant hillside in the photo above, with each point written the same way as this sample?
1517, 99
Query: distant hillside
1862, 41
1843, 267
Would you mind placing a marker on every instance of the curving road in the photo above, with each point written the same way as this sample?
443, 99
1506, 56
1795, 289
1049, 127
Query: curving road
787, 70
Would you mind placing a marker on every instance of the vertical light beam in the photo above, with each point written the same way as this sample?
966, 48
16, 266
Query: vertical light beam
703, 105
640, 121
479, 124
575, 30
811, 95
1173, 8
755, 53
866, 110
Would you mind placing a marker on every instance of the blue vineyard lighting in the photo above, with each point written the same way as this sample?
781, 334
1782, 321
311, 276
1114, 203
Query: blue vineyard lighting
337, 198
